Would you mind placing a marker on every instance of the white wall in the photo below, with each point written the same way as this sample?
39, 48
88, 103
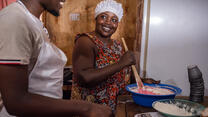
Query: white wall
178, 37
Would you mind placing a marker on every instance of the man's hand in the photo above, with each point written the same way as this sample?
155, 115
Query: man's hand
1, 103
98, 110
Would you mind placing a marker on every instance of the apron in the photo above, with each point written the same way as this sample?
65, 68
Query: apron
46, 78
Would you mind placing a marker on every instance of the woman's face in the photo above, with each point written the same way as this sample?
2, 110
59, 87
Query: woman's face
106, 24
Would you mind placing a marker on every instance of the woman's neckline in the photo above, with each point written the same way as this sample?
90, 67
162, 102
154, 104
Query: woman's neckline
105, 43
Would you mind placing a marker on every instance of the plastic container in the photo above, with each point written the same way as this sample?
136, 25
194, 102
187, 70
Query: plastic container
194, 108
147, 100
196, 84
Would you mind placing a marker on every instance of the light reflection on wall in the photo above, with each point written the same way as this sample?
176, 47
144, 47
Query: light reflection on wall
156, 20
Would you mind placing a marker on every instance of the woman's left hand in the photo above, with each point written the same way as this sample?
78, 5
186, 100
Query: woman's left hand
150, 81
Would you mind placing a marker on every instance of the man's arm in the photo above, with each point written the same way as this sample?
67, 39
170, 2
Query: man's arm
18, 101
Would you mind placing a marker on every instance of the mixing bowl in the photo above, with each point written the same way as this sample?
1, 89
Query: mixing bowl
178, 108
147, 99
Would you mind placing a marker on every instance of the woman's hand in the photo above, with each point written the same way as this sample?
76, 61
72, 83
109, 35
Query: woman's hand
150, 81
128, 59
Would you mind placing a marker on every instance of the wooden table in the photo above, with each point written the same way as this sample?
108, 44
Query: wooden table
127, 108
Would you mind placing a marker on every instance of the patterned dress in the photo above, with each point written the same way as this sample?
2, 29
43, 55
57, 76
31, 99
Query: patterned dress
106, 92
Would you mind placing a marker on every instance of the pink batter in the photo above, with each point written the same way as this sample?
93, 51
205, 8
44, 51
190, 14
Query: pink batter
153, 91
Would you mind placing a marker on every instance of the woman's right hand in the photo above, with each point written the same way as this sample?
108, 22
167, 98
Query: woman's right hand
128, 59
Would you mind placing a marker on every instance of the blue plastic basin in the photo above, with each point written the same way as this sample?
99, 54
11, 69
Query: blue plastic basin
147, 99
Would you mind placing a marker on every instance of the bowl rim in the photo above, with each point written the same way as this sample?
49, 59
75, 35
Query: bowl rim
167, 86
162, 100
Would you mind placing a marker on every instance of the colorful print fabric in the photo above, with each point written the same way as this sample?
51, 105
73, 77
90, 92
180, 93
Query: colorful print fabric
105, 93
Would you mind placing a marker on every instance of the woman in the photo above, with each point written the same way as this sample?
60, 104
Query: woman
101, 68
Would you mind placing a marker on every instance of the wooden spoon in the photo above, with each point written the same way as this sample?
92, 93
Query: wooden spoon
136, 75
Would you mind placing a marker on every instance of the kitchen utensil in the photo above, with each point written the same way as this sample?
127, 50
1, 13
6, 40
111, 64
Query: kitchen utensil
136, 75
147, 99
190, 107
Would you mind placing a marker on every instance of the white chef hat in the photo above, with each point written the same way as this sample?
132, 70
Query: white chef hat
111, 6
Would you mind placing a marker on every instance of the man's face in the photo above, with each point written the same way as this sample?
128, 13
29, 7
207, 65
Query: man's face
53, 6
106, 24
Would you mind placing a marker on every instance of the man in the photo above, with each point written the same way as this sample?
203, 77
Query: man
31, 68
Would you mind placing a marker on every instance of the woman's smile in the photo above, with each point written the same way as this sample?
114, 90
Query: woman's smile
106, 28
